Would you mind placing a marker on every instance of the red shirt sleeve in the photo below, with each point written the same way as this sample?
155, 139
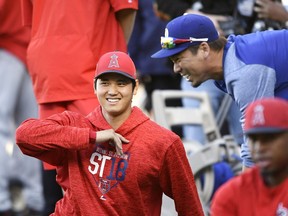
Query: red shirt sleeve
124, 4
49, 139
92, 136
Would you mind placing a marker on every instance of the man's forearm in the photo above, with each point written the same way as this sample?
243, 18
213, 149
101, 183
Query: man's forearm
126, 19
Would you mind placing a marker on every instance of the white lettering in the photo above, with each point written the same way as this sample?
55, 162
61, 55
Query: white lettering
95, 162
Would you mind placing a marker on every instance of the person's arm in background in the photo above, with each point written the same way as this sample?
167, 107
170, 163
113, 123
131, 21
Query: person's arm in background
170, 9
126, 19
273, 10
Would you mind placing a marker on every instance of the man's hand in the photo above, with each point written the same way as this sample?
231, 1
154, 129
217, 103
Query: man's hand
271, 10
113, 138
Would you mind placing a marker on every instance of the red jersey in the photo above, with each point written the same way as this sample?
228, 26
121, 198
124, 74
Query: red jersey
14, 37
99, 182
248, 195
68, 38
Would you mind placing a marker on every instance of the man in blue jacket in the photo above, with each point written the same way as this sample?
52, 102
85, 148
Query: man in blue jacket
247, 67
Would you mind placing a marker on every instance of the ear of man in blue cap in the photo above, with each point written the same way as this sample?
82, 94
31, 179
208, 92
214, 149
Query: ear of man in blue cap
184, 31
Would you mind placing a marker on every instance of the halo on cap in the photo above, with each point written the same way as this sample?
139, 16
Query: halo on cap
116, 62
267, 115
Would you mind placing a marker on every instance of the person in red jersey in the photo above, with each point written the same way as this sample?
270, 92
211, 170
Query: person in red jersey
262, 190
67, 40
99, 175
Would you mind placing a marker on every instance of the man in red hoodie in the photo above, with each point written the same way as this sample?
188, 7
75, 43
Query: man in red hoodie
67, 40
99, 175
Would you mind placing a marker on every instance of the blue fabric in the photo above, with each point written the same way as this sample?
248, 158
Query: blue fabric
184, 27
145, 40
223, 172
255, 66
272, 51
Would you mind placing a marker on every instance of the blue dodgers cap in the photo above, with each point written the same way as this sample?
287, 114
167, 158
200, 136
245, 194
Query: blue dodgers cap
193, 27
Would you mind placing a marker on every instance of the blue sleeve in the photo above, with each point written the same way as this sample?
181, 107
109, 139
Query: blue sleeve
256, 82
247, 83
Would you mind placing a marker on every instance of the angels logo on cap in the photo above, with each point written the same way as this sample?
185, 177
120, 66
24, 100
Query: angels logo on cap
266, 115
113, 62
116, 62
258, 115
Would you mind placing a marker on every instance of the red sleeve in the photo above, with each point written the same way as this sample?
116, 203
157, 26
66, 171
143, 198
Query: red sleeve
124, 4
177, 181
50, 139
26, 9
92, 136
223, 203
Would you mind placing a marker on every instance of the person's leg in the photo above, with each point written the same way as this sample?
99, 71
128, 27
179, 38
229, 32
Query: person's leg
51, 190
26, 168
9, 83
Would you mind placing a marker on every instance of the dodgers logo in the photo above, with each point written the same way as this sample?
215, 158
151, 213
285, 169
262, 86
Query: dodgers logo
166, 34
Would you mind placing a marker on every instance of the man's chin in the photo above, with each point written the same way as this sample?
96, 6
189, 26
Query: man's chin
266, 172
195, 84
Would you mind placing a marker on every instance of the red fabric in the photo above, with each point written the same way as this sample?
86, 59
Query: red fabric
247, 195
68, 37
260, 116
83, 107
26, 12
116, 62
14, 37
97, 181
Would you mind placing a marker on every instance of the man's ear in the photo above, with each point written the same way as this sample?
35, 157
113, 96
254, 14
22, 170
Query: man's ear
205, 48
136, 87
94, 85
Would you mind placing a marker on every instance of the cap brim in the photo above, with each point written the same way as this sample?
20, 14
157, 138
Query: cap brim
117, 72
264, 130
163, 53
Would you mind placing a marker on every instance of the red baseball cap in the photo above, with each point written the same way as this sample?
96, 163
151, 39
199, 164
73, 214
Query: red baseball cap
267, 115
116, 62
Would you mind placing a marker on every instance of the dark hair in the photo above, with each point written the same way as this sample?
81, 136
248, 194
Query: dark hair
216, 45
133, 83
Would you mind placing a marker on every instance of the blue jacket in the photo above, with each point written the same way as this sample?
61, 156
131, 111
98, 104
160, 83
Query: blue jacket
255, 66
